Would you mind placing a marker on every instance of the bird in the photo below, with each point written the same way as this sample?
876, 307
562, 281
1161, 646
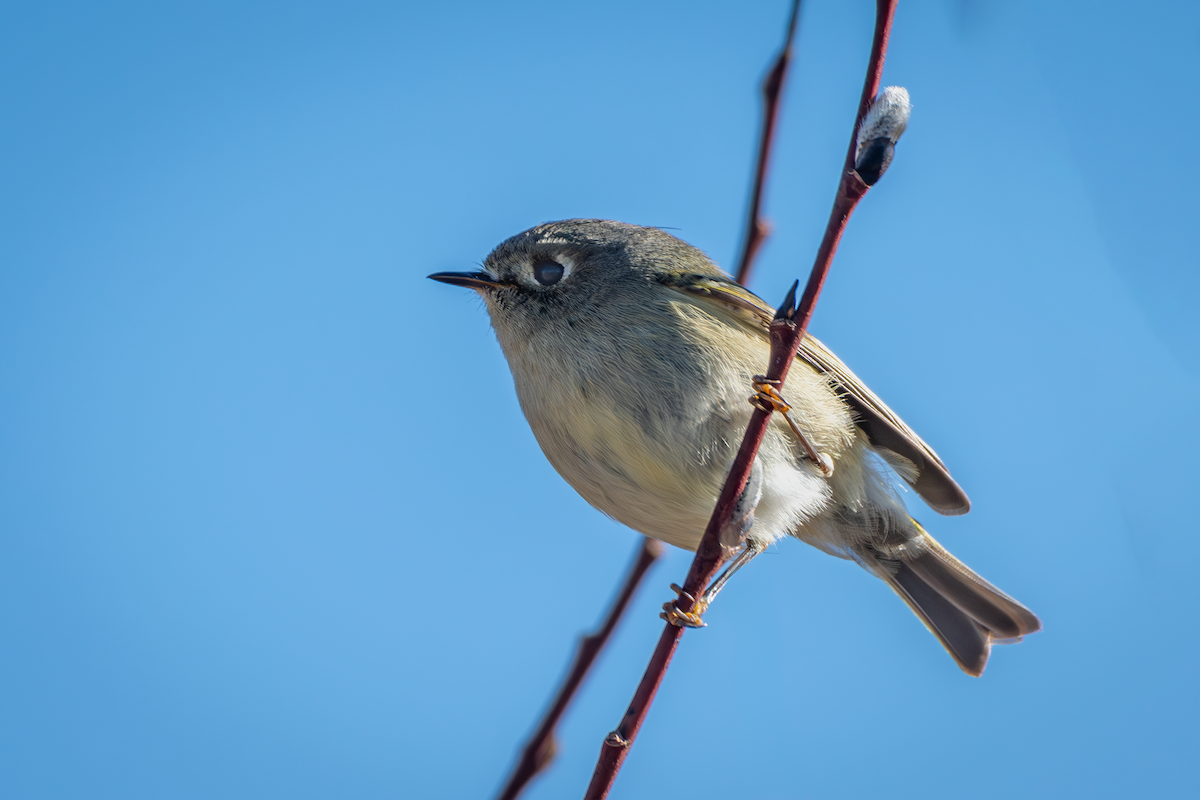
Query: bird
631, 352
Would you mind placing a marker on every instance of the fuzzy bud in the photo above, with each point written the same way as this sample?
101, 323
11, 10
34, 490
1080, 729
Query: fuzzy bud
880, 129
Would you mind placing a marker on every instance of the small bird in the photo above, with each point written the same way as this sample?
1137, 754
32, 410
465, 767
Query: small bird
632, 353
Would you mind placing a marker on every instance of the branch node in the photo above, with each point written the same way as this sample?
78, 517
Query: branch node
615, 739
786, 312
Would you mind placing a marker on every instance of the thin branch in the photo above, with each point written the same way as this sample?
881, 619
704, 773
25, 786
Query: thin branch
851, 188
786, 332
785, 340
540, 750
757, 227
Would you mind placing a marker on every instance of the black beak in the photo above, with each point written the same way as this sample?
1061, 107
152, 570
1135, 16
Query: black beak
472, 280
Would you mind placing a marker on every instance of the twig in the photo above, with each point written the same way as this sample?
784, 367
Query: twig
786, 332
539, 751
757, 227
851, 188
785, 340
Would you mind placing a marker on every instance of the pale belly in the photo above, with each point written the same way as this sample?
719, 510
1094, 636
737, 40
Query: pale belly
653, 453
662, 478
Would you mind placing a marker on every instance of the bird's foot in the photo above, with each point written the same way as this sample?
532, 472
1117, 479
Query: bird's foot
767, 398
684, 619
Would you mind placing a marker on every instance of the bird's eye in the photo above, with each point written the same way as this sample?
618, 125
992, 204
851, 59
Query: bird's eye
548, 273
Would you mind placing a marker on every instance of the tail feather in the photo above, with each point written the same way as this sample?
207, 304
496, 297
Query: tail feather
965, 640
1003, 616
965, 612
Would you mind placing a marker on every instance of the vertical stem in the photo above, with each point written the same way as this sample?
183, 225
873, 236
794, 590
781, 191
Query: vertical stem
539, 750
757, 227
787, 331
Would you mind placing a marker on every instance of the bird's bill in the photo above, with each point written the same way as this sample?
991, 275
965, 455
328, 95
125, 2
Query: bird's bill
472, 280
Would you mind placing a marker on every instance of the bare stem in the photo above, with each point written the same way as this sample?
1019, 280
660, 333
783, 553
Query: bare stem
785, 340
851, 187
539, 751
787, 330
757, 227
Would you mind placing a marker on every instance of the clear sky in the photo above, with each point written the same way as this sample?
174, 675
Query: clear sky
271, 521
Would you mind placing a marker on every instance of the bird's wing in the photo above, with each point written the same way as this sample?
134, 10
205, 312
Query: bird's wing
930, 478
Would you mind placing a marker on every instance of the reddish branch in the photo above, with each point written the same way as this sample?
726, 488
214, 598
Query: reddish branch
757, 227
786, 332
851, 188
539, 750
785, 340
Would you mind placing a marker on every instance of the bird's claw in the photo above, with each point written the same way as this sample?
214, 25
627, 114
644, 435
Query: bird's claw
766, 396
684, 619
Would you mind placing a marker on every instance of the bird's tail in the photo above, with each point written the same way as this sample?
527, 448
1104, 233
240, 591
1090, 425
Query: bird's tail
965, 612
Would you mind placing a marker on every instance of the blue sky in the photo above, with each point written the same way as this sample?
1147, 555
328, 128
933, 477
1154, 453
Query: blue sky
271, 522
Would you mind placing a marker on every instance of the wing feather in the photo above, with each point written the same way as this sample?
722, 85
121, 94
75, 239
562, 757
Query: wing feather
930, 478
